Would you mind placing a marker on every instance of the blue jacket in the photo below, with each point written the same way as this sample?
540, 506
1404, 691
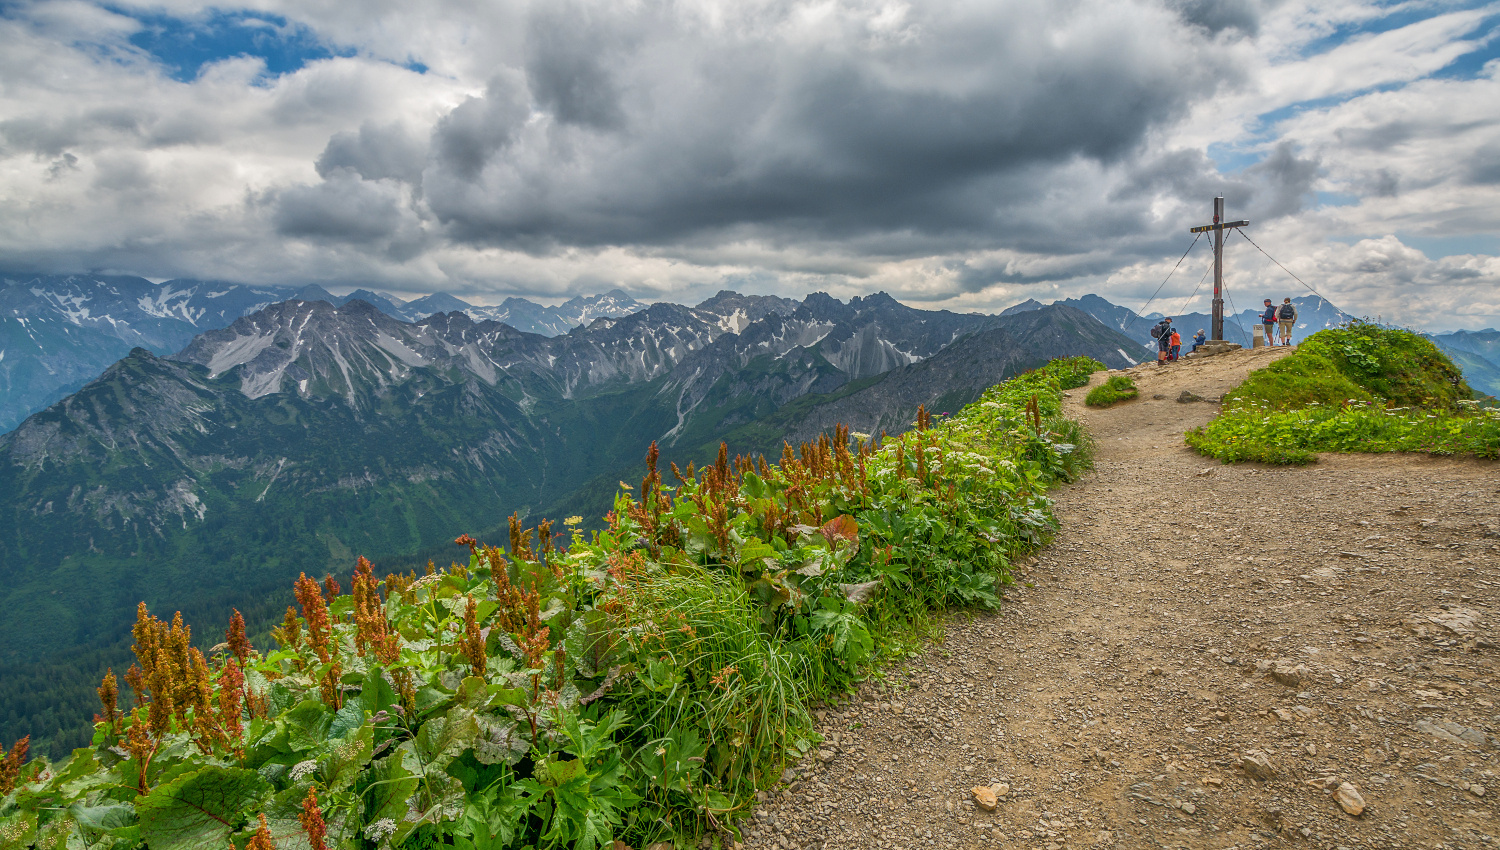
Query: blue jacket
1269, 317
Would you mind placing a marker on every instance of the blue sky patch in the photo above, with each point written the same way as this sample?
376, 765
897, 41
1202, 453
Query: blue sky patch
184, 46
1337, 199
1437, 247
1469, 65
1402, 15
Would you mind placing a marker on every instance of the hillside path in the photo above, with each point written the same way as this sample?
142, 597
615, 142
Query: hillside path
1133, 667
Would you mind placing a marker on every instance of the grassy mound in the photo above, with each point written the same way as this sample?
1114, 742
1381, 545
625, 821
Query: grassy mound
639, 686
1393, 365
1360, 388
1294, 382
1116, 389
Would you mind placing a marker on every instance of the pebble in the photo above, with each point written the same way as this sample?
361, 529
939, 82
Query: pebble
1476, 790
1257, 765
1288, 675
1348, 798
985, 798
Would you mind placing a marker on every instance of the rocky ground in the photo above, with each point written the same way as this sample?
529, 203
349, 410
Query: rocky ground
1206, 656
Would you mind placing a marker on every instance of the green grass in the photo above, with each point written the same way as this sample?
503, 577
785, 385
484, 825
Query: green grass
1296, 436
1360, 388
1295, 382
1391, 364
1113, 391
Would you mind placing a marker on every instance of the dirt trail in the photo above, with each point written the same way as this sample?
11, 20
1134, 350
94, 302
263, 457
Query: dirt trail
1335, 618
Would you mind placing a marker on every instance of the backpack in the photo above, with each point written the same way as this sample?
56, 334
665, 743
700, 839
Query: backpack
1160, 329
1286, 311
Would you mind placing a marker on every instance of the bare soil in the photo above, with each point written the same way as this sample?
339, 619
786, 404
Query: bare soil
1335, 619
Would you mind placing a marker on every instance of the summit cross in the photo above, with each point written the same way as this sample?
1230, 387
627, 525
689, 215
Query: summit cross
1218, 228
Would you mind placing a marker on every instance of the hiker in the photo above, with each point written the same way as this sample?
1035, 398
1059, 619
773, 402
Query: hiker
1268, 318
1286, 317
1176, 346
1162, 333
1198, 341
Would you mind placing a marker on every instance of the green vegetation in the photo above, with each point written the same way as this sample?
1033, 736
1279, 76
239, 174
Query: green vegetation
1360, 388
639, 686
1116, 389
1295, 382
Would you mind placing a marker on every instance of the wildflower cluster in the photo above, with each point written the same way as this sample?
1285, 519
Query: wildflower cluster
639, 686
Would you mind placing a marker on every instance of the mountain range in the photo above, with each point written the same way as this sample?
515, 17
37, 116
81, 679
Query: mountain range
1477, 353
59, 332
307, 432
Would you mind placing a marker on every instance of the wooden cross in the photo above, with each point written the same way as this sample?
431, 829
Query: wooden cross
1218, 228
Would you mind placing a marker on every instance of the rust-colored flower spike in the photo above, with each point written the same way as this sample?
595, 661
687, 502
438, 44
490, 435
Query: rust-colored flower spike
257, 705
398, 583
163, 680
535, 648
472, 643
109, 698
331, 690
311, 819
234, 636
209, 734
315, 614
10, 766
369, 616
261, 840
520, 540
142, 747
289, 633
544, 534
331, 585
232, 699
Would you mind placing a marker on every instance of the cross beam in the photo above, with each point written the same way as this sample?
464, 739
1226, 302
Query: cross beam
1218, 228
1225, 226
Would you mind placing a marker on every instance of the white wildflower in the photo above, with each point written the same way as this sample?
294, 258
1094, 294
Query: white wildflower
380, 829
301, 769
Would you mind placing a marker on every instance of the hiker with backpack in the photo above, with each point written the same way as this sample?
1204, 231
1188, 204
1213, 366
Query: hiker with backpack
1162, 333
1286, 317
1268, 318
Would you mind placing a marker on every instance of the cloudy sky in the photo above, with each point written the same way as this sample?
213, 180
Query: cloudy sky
966, 154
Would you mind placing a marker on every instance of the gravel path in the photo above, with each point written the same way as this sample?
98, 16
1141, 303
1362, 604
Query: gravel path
1202, 658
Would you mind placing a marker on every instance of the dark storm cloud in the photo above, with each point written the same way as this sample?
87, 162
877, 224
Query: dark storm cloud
1484, 168
376, 153
1279, 185
566, 49
1219, 15
51, 136
467, 137
688, 131
1284, 182
342, 208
